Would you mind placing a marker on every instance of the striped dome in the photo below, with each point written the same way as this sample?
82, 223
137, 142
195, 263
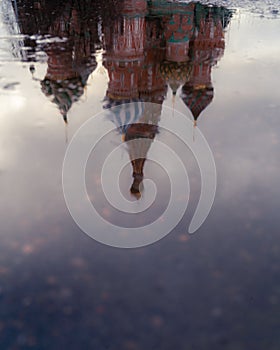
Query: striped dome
63, 93
124, 113
197, 98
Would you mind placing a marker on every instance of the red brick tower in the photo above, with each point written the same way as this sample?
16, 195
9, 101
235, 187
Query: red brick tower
206, 49
152, 87
152, 91
70, 62
178, 32
134, 50
124, 44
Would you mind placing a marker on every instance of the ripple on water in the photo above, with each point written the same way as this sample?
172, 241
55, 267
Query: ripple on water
11, 86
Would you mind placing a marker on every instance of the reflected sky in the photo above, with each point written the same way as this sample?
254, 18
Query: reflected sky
58, 288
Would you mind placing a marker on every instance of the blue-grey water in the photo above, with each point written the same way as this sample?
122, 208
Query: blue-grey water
217, 289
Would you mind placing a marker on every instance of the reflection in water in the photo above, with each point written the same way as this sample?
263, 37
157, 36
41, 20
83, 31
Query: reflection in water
66, 76
147, 47
178, 47
71, 58
216, 290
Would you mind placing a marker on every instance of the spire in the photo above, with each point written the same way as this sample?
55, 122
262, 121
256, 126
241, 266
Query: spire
173, 101
64, 115
66, 131
174, 85
194, 127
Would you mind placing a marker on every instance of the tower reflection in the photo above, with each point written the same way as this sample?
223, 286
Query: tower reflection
69, 33
206, 48
152, 46
148, 46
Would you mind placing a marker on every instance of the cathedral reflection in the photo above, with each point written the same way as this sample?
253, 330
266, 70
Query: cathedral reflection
70, 40
148, 46
152, 46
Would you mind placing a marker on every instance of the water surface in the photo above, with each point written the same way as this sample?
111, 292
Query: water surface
62, 64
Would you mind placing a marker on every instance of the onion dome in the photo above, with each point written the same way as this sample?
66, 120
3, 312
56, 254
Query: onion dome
175, 73
197, 98
66, 80
63, 93
123, 112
